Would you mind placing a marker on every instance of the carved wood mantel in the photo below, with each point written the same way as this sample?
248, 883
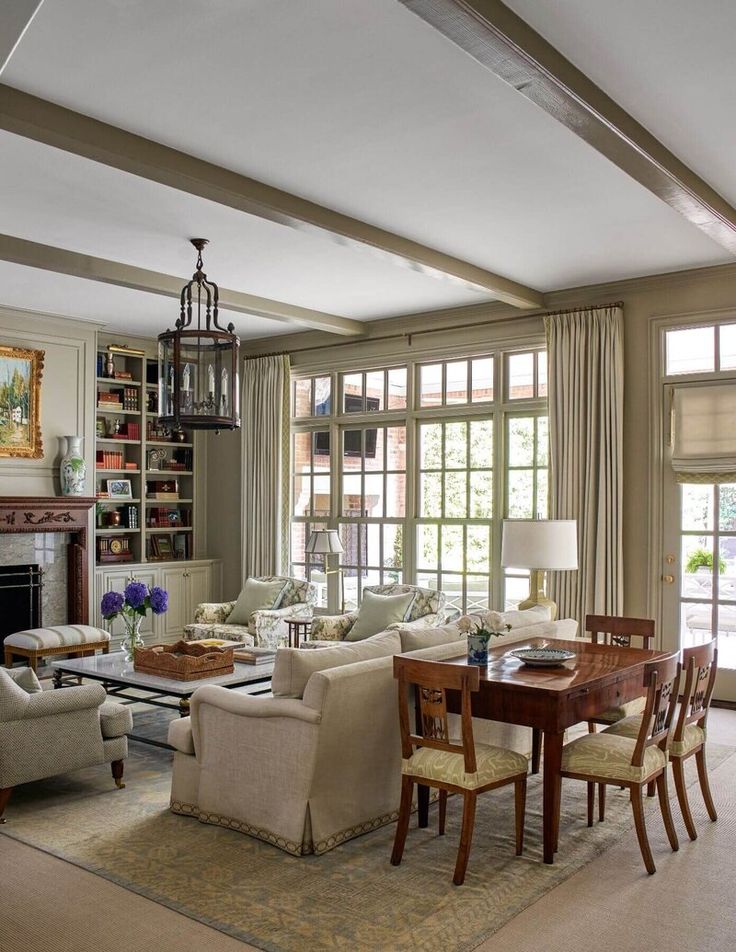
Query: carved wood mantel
57, 514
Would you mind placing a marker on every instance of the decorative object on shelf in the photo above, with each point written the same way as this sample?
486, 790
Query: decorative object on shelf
542, 657
132, 605
196, 363
101, 428
72, 469
154, 458
178, 436
109, 365
326, 542
537, 545
185, 660
119, 488
20, 402
480, 633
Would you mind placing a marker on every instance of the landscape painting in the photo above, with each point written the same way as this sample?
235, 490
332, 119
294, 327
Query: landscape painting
20, 402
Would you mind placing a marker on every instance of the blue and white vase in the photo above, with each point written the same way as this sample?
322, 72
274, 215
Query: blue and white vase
478, 649
73, 469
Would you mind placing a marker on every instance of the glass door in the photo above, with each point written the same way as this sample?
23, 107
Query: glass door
699, 572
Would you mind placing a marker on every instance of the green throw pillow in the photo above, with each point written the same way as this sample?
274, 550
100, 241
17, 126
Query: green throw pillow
377, 612
255, 597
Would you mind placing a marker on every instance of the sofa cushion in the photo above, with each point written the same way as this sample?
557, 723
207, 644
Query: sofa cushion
516, 619
413, 639
294, 666
255, 597
59, 636
26, 678
377, 612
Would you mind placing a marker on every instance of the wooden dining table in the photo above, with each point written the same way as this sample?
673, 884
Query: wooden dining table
551, 700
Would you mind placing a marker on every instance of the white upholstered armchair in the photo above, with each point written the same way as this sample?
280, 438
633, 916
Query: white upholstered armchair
427, 610
267, 628
45, 733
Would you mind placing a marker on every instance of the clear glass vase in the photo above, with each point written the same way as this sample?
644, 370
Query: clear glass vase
133, 638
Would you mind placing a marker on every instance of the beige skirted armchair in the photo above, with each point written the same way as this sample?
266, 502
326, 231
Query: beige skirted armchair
45, 733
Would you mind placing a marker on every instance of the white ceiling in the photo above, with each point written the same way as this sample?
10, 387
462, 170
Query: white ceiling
366, 109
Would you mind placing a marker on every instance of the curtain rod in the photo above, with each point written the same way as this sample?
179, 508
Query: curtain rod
589, 307
407, 335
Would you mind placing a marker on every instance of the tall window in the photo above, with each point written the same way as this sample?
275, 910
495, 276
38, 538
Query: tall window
416, 466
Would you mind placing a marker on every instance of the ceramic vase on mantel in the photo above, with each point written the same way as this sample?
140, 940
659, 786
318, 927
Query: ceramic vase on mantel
73, 469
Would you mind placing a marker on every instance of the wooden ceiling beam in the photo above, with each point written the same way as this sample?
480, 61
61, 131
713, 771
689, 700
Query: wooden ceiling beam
43, 121
48, 258
510, 49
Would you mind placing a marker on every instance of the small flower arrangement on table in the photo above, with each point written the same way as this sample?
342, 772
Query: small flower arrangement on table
480, 632
133, 604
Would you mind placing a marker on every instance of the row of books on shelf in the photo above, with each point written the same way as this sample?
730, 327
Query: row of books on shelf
122, 398
111, 459
118, 431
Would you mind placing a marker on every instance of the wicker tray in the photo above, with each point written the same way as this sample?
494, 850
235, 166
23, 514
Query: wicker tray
184, 661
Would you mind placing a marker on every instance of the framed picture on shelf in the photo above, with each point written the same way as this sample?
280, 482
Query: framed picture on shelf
119, 488
161, 545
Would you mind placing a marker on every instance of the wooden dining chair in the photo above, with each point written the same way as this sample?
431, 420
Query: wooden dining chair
688, 739
430, 757
633, 762
618, 631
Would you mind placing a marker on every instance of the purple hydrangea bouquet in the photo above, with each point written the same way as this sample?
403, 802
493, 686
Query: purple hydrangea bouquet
133, 605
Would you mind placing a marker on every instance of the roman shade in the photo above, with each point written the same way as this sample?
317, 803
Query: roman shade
704, 433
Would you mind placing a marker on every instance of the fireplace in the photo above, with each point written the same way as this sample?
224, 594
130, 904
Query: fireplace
55, 515
20, 598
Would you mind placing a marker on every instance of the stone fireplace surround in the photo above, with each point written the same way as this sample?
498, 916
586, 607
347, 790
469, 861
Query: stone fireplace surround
68, 514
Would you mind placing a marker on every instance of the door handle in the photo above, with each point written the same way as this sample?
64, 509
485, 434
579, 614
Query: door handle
669, 579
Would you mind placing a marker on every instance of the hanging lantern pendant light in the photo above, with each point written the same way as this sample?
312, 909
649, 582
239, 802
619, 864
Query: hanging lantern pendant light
198, 365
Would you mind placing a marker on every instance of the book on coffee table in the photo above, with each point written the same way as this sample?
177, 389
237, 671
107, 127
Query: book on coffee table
251, 655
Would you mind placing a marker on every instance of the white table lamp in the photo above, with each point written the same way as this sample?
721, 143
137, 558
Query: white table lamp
539, 545
327, 542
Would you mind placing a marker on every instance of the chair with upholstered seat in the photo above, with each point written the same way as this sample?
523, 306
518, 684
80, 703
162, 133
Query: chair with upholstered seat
617, 631
688, 737
633, 762
458, 766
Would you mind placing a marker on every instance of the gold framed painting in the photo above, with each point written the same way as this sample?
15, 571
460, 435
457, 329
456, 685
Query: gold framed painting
20, 402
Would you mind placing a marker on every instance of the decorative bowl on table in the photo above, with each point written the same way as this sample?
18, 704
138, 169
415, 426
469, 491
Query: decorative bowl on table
542, 657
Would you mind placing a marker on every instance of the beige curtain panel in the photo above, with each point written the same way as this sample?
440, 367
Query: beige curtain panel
586, 406
265, 408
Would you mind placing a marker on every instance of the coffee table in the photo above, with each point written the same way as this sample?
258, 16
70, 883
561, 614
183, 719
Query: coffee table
118, 678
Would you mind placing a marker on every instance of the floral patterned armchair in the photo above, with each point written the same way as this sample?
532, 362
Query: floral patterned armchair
426, 611
267, 628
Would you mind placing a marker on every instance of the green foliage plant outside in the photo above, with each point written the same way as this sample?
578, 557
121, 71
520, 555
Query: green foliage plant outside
700, 557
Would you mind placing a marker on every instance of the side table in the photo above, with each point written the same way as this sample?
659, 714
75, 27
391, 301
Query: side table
299, 629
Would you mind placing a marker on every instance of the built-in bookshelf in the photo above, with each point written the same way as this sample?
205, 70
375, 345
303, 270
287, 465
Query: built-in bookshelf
144, 473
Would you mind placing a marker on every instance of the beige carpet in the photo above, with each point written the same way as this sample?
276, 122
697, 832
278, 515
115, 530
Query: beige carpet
350, 898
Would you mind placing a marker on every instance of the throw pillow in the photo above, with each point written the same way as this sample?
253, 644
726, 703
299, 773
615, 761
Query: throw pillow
377, 612
26, 678
255, 597
294, 666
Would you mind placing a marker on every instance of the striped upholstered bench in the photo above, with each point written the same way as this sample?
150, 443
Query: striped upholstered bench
36, 643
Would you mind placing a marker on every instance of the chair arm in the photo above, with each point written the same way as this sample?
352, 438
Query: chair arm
213, 613
245, 705
78, 698
300, 608
426, 621
332, 627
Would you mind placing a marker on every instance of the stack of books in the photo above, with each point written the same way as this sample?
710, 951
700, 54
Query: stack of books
252, 655
109, 400
130, 398
162, 489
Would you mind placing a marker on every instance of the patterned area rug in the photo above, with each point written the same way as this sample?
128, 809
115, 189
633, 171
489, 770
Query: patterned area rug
350, 898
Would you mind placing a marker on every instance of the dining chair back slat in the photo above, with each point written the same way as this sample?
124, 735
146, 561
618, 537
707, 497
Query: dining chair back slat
662, 681
700, 665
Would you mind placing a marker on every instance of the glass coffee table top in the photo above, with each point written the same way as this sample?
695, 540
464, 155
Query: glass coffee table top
116, 669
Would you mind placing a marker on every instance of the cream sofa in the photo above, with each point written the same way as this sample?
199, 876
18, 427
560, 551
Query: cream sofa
320, 763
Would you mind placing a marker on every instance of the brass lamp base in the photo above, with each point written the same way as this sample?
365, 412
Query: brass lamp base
537, 597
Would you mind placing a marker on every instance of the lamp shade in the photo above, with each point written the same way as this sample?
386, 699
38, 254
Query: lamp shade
540, 544
324, 542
